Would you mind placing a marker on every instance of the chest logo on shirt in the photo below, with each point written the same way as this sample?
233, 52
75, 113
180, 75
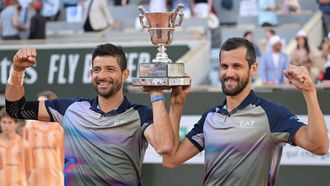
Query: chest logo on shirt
247, 124
120, 121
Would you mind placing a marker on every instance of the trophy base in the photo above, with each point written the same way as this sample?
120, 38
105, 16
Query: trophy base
169, 81
161, 70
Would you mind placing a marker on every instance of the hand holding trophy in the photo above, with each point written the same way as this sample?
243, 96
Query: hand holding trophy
161, 71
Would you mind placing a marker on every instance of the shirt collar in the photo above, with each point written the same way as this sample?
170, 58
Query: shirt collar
250, 99
122, 107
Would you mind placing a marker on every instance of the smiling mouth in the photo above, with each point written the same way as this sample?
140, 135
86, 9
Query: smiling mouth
103, 84
230, 81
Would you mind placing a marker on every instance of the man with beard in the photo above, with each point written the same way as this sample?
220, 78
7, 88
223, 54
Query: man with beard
105, 137
240, 135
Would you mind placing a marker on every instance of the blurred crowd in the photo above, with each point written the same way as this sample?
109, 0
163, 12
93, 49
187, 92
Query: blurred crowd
273, 60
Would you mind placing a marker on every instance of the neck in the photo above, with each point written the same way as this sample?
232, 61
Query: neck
113, 102
8, 136
276, 51
234, 101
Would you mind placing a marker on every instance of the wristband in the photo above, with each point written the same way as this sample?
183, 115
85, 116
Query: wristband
16, 78
157, 98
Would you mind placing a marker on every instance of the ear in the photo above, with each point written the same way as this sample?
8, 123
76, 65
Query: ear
125, 74
254, 69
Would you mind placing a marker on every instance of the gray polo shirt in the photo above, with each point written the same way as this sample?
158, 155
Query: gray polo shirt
239, 145
103, 148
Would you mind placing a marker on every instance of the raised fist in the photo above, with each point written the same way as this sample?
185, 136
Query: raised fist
24, 58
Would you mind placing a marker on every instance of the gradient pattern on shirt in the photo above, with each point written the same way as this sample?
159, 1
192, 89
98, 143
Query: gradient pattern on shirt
105, 148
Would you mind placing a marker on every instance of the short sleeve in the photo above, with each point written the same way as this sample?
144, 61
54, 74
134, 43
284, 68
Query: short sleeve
146, 117
196, 135
282, 121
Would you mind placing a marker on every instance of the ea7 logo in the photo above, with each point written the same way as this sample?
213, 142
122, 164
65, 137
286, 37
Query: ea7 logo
247, 124
120, 121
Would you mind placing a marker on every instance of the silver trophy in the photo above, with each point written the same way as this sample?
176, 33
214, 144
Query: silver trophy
161, 71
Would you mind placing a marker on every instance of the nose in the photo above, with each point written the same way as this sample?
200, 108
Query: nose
229, 72
102, 74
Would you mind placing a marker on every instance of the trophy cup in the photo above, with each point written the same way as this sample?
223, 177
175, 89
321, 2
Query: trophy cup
161, 71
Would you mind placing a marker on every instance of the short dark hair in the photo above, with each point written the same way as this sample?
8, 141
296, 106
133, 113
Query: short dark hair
236, 42
111, 50
247, 33
270, 30
3, 113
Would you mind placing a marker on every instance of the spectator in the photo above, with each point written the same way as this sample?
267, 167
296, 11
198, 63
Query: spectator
302, 55
267, 13
46, 147
13, 152
326, 57
6, 2
248, 35
201, 8
324, 6
269, 33
157, 6
10, 22
51, 9
98, 16
121, 2
290, 6
24, 4
37, 24
273, 63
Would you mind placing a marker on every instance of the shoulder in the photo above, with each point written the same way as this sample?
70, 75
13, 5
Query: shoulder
211, 110
273, 109
140, 107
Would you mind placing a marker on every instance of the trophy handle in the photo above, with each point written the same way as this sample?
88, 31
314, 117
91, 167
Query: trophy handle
141, 16
178, 11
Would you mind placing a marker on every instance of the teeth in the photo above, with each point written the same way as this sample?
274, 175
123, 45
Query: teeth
104, 83
230, 80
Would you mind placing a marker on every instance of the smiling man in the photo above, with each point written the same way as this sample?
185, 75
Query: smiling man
241, 135
105, 137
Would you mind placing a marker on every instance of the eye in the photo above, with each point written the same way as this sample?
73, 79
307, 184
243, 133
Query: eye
236, 66
111, 69
96, 70
223, 66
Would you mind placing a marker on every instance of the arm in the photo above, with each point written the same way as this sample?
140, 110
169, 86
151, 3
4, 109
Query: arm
24, 58
325, 50
210, 3
184, 150
160, 133
312, 137
192, 5
107, 14
17, 24
294, 57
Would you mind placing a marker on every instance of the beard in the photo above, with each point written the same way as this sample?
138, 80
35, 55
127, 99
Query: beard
241, 84
106, 93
